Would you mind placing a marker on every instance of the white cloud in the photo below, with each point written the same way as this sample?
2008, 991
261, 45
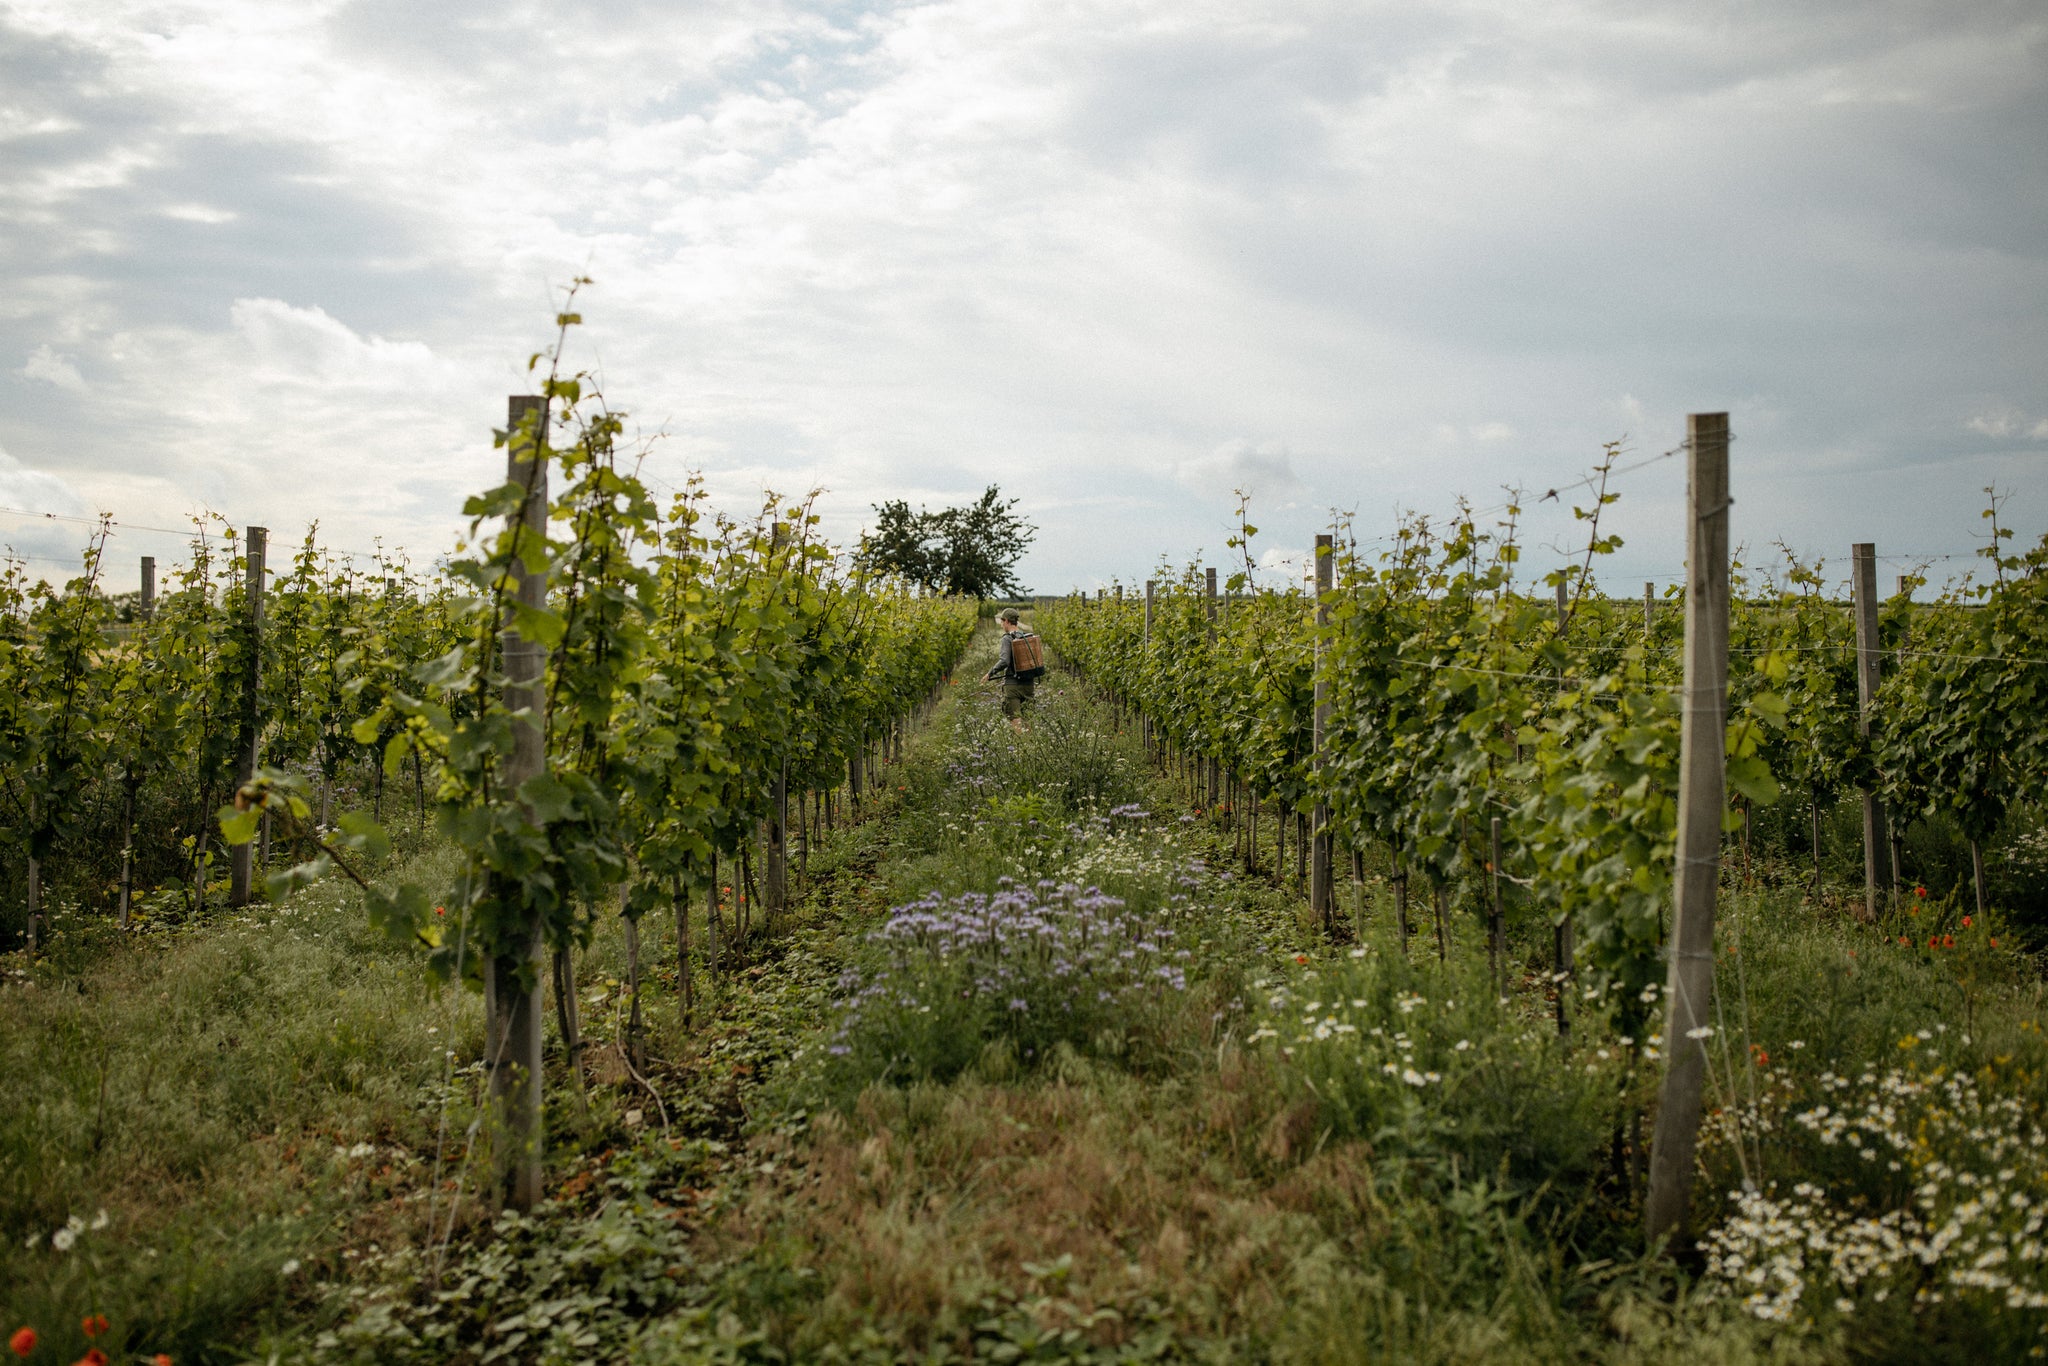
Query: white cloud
33, 490
200, 213
1259, 468
46, 365
305, 345
304, 250
1998, 425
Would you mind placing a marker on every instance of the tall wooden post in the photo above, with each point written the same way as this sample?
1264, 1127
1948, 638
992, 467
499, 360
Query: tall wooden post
1649, 609
512, 979
148, 612
1496, 935
775, 846
1689, 986
1209, 595
1863, 590
249, 724
1560, 602
1151, 593
1322, 900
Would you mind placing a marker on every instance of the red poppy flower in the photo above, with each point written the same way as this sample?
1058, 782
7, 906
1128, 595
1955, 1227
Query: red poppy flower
93, 1357
1966, 922
1902, 939
1933, 941
440, 910
1948, 941
160, 1359
1301, 958
1920, 891
94, 1324
23, 1342
1994, 943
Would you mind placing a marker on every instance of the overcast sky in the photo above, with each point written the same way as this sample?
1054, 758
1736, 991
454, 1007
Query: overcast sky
284, 259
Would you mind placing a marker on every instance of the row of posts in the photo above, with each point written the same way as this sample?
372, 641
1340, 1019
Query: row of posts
1701, 797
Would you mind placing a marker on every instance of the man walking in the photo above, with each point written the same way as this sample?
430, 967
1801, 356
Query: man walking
1020, 663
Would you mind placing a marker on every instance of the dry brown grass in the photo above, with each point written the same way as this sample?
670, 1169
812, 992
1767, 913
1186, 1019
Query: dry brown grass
1191, 1194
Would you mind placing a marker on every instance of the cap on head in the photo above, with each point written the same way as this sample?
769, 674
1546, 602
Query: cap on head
1011, 615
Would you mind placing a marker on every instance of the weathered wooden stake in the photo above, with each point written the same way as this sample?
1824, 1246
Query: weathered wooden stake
249, 725
1649, 609
1210, 767
1322, 898
1496, 938
1863, 593
775, 847
148, 612
1145, 723
512, 979
1689, 988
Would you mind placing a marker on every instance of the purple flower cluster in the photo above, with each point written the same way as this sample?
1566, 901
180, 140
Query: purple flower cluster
1052, 960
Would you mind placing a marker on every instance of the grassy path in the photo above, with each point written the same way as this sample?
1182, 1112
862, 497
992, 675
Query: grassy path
1008, 1120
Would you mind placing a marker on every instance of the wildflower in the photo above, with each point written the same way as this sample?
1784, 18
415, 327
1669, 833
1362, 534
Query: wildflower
1948, 941
160, 1359
1701, 1032
1994, 943
1902, 939
23, 1342
291, 1266
93, 1357
1920, 892
1966, 922
440, 910
93, 1324
1301, 958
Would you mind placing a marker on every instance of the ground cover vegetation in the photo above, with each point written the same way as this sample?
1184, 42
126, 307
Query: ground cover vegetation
1225, 1168
946, 1043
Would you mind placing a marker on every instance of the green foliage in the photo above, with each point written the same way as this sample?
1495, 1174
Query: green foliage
1454, 699
1420, 1061
969, 551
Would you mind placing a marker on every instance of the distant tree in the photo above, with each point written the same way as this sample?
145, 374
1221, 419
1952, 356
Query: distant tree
900, 543
971, 551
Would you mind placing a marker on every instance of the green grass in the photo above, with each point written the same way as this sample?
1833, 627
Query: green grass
1239, 1188
202, 1086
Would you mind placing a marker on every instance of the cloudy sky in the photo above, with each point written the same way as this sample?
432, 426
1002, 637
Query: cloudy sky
284, 259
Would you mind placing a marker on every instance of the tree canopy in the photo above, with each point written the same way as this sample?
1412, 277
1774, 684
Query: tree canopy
971, 551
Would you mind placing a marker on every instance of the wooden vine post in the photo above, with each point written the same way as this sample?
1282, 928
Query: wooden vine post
1649, 610
1209, 595
1863, 596
1145, 721
512, 980
1689, 988
1322, 898
775, 844
1496, 930
248, 724
148, 606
